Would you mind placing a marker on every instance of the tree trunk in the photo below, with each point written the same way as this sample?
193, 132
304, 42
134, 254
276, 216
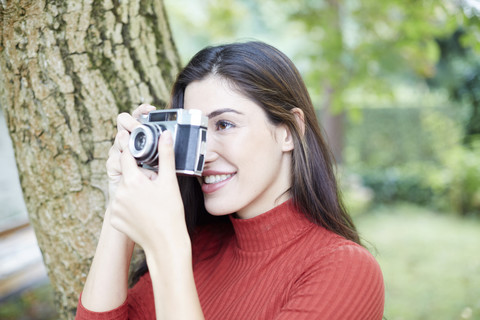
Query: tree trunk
333, 124
67, 68
336, 79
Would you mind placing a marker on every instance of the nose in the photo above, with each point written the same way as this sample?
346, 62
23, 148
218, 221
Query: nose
211, 152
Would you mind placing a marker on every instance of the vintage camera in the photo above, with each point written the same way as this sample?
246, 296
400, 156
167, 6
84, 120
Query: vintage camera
189, 131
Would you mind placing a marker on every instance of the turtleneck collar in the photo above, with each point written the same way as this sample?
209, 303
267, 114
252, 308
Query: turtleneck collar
270, 229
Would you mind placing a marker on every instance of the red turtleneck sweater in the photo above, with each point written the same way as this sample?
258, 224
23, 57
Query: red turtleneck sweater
277, 265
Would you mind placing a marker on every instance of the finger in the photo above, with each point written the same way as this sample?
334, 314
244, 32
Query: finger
142, 109
113, 149
150, 174
113, 161
121, 142
113, 167
126, 122
128, 166
166, 155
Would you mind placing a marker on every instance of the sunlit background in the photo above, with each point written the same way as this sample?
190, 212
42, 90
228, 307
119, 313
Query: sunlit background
397, 88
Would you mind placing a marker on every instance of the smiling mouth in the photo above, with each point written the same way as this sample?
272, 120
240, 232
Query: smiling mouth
216, 178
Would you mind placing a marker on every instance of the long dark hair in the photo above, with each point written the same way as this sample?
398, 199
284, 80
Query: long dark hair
268, 77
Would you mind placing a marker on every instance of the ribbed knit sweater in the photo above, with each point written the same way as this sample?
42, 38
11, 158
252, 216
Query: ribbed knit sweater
278, 265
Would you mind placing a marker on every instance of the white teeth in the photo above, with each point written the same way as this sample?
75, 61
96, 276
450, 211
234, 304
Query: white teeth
216, 178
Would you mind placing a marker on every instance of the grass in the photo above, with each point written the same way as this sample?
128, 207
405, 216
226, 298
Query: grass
430, 262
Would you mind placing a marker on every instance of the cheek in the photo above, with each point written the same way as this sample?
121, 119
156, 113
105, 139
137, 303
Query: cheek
260, 156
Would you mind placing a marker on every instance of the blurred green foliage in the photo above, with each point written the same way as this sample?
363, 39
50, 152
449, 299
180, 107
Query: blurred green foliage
458, 71
370, 59
36, 303
416, 155
342, 47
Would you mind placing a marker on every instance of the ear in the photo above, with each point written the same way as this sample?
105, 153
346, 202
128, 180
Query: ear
300, 118
286, 137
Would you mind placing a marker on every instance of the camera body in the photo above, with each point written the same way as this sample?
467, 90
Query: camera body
189, 132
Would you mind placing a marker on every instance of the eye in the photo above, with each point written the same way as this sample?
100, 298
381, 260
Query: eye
223, 125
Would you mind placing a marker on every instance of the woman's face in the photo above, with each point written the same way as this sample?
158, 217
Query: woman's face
248, 159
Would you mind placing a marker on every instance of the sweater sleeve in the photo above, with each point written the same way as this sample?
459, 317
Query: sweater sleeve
139, 304
347, 283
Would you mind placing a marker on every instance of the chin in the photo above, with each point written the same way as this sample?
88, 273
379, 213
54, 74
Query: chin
218, 209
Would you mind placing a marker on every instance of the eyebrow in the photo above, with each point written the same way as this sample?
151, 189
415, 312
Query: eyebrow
221, 111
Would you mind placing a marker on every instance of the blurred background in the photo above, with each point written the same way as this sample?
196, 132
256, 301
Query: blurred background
397, 89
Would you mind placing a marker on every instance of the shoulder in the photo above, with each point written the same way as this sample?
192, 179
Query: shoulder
341, 272
354, 264
326, 245
330, 251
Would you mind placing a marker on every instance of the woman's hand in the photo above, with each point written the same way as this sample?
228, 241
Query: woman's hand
107, 282
125, 124
151, 213
149, 209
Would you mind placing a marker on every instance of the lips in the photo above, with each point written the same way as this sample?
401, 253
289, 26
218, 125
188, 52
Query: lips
213, 181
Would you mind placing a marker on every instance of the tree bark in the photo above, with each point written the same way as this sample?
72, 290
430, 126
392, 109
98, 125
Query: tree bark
336, 79
333, 123
67, 68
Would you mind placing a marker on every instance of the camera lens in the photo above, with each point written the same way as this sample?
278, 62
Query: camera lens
140, 140
143, 143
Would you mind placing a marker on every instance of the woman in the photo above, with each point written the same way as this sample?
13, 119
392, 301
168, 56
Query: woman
262, 235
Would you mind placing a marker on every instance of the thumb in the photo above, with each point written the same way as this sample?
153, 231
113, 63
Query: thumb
166, 155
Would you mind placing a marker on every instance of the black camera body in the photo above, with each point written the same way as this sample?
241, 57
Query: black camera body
189, 132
